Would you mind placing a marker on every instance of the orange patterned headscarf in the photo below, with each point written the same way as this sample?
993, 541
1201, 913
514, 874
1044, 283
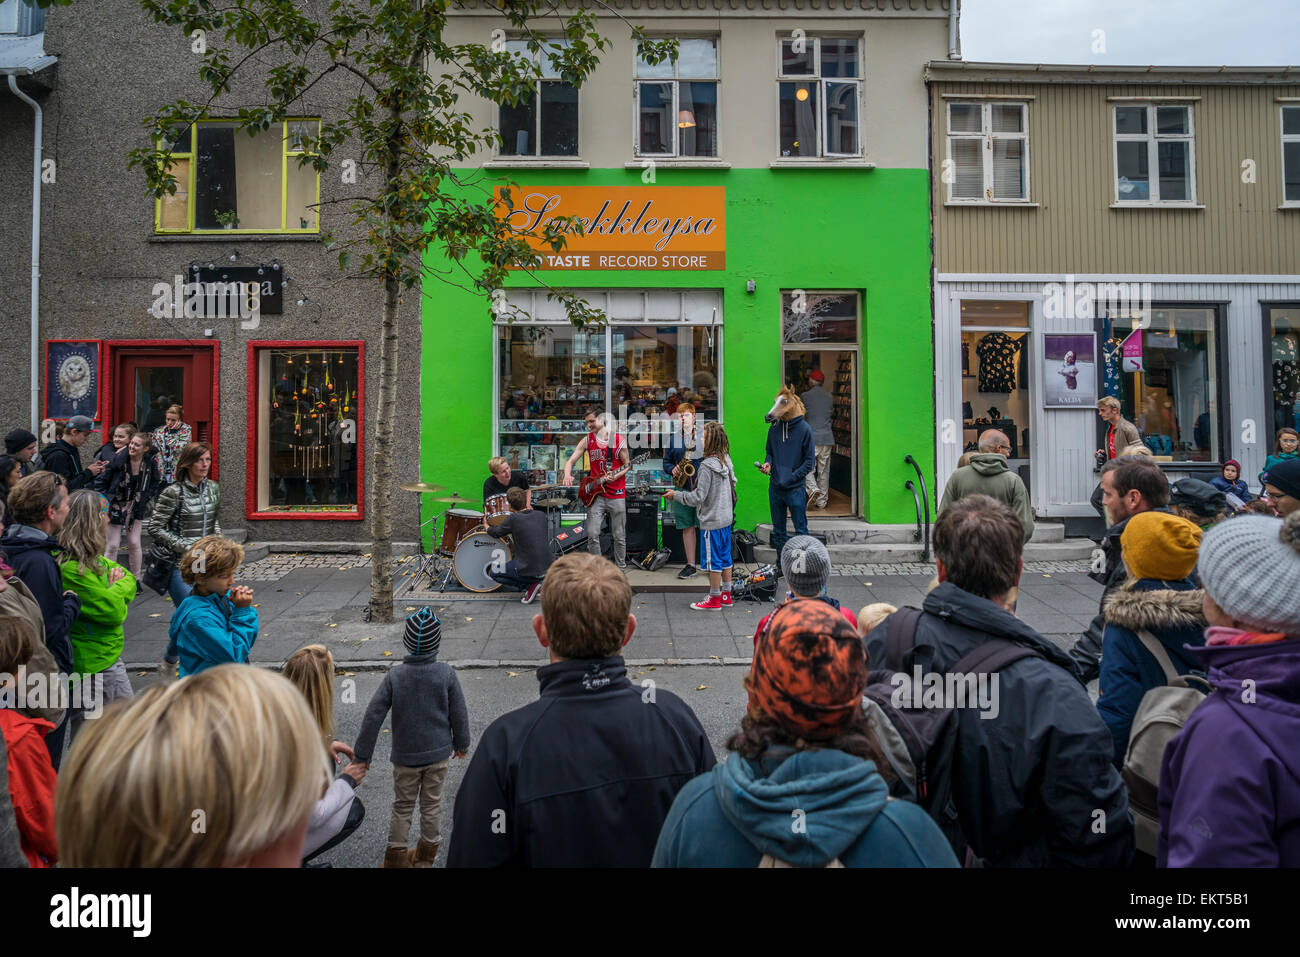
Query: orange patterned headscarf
809, 669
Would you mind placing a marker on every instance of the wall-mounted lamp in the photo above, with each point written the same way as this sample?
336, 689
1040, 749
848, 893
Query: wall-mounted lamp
750, 285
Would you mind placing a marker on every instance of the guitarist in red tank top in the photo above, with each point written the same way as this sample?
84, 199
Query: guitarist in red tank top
608, 453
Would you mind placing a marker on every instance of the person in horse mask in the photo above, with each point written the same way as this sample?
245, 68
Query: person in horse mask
790, 455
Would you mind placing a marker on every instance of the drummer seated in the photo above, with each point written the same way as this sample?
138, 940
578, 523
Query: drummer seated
502, 479
530, 533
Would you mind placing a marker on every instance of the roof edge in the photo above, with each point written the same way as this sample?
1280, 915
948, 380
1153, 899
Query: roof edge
974, 71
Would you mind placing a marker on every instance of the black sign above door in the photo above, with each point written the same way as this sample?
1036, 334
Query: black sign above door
269, 277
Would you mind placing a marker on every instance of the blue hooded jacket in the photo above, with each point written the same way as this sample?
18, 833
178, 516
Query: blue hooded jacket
792, 452
210, 630
803, 807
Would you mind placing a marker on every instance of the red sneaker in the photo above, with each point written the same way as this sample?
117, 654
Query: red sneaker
712, 603
726, 599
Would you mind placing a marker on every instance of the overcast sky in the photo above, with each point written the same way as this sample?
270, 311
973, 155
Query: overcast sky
1134, 32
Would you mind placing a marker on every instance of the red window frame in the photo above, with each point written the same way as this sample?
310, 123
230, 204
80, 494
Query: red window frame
254, 440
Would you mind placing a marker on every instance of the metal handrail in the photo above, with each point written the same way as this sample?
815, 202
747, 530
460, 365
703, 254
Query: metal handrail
911, 487
925, 500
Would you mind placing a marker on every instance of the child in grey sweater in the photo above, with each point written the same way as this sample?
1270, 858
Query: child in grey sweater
430, 723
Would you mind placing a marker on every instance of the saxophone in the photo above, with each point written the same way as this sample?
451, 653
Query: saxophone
684, 474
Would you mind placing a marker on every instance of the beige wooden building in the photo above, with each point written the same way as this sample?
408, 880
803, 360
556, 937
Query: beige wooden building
1127, 231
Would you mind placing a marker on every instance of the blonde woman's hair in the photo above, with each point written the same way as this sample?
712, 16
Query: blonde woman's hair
311, 670
499, 461
715, 440
872, 615
233, 748
1137, 448
124, 426
176, 410
214, 555
82, 537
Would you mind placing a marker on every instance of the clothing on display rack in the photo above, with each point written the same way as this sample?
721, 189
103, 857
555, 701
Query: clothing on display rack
997, 353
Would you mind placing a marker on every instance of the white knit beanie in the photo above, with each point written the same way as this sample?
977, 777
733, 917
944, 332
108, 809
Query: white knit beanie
1250, 567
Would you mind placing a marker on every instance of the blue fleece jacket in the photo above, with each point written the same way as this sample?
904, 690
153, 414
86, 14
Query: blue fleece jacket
792, 452
31, 554
1237, 488
209, 630
802, 807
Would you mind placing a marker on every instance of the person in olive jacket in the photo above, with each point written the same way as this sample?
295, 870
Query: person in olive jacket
185, 512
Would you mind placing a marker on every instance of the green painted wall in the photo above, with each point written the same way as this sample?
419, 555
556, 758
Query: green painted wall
786, 229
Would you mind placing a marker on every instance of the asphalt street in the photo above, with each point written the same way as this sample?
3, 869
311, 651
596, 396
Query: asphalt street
714, 693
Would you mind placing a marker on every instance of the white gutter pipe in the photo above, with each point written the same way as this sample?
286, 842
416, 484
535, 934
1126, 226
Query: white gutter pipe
954, 41
36, 246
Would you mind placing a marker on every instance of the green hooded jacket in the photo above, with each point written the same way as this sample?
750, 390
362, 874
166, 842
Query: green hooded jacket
988, 474
96, 635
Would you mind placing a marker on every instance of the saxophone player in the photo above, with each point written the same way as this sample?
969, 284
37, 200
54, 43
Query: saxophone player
682, 460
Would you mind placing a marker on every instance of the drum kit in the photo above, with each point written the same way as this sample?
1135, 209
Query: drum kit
466, 551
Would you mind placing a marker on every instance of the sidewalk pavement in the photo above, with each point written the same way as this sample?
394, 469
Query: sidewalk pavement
303, 599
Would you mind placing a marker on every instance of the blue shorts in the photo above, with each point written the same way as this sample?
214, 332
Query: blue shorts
715, 549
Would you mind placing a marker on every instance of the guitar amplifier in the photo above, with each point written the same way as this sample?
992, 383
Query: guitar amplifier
642, 523
673, 540
575, 537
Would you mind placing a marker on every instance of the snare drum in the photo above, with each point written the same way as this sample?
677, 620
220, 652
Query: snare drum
457, 523
475, 555
496, 509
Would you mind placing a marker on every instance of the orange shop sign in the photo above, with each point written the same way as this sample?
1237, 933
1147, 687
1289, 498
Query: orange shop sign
627, 227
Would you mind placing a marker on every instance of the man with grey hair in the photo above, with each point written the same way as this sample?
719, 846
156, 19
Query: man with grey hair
987, 474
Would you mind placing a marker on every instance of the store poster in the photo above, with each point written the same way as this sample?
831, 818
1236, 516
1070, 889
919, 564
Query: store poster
71, 379
1070, 370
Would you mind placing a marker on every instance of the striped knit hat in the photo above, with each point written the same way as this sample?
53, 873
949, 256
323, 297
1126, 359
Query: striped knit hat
423, 632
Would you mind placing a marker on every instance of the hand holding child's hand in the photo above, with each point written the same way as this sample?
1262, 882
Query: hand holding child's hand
339, 748
242, 596
356, 771
115, 575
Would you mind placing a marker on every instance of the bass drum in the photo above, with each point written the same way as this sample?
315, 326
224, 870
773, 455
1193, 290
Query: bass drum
457, 523
474, 555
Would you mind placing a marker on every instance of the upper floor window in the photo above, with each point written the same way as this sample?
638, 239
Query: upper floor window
228, 180
677, 102
819, 92
988, 152
1291, 155
1155, 158
545, 123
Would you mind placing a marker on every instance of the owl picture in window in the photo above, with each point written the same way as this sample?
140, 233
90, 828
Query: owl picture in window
75, 378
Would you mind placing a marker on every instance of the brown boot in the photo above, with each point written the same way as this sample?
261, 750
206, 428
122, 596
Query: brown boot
425, 854
397, 857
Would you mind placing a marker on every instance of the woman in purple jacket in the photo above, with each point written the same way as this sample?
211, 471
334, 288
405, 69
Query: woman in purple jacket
1228, 786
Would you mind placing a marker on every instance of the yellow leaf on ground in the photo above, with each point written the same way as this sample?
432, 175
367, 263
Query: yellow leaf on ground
715, 657
469, 619
1047, 576
512, 674
701, 687
410, 608
156, 615
388, 654
334, 624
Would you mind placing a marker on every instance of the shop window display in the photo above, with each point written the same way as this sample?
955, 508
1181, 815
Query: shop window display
550, 376
995, 359
308, 430
1284, 365
1166, 379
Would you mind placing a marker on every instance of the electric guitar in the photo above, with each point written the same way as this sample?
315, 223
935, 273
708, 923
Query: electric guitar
590, 486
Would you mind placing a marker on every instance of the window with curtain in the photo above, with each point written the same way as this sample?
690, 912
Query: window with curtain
988, 152
1154, 154
1291, 155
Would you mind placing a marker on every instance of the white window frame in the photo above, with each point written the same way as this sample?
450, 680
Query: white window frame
820, 81
536, 56
676, 80
986, 135
1285, 139
1153, 141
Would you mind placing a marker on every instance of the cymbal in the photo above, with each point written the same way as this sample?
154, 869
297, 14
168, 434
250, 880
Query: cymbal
550, 502
538, 488
457, 500
421, 487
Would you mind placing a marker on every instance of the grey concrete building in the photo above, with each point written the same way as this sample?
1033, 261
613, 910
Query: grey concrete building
280, 395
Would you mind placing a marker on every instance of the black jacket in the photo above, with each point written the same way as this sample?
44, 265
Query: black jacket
31, 554
582, 777
115, 482
1026, 783
65, 459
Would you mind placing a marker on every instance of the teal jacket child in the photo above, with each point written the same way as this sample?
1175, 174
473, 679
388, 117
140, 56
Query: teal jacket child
96, 635
211, 630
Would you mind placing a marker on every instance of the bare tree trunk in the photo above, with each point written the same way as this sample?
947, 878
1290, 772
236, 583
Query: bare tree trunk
381, 498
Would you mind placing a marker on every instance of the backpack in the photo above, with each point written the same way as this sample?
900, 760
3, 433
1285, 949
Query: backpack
919, 742
1161, 714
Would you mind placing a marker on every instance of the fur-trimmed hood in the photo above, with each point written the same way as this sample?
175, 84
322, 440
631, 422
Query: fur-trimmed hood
1145, 605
